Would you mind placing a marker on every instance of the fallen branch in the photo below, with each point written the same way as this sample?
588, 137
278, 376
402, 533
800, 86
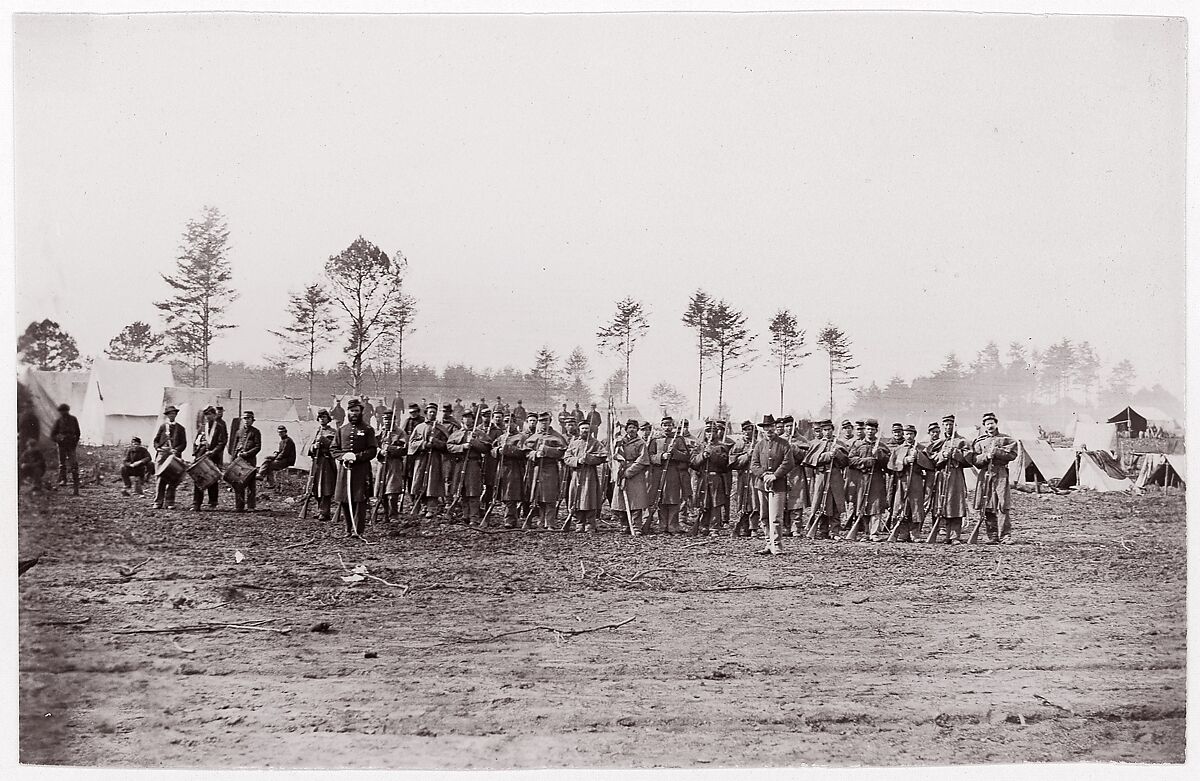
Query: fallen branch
206, 627
299, 544
213, 607
71, 622
556, 630
181, 649
361, 571
129, 572
697, 544
1045, 701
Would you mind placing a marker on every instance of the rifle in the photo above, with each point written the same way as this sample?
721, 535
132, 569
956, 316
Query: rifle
499, 476
420, 479
704, 489
912, 475
819, 508
535, 484
384, 473
974, 538
864, 494
308, 485
462, 474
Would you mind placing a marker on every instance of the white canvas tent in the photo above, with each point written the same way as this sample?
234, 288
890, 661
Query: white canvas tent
1096, 470
1162, 469
123, 400
1037, 461
1095, 436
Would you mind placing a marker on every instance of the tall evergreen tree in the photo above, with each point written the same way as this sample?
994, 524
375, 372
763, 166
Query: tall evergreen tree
195, 313
836, 345
695, 318
730, 341
787, 347
48, 347
310, 329
623, 332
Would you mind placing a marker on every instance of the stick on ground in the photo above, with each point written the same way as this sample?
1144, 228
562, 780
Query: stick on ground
556, 630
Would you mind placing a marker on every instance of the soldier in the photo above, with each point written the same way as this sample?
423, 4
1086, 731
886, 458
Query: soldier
631, 494
518, 414
770, 462
448, 420
935, 434
584, 456
210, 443
246, 447
871, 457
459, 410
169, 440
951, 455
669, 474
426, 448
564, 416
338, 413
798, 498
593, 418
283, 457
851, 475
739, 461
711, 462
489, 428
577, 413
910, 463
392, 447
991, 453
137, 464
65, 434
827, 457
323, 479
467, 447
544, 450
507, 449
354, 447
531, 425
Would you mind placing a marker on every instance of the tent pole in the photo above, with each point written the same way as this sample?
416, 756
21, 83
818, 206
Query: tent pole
239, 404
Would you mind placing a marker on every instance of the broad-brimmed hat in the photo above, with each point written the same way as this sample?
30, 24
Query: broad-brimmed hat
170, 408
768, 420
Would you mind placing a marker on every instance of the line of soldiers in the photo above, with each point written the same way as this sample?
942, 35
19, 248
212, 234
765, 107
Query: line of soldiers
663, 481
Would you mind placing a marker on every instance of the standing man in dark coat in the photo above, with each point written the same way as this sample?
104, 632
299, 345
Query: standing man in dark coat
66, 435
586, 495
507, 449
594, 420
426, 460
210, 443
519, 414
324, 470
827, 457
871, 457
169, 440
393, 447
991, 452
246, 447
711, 462
338, 413
354, 448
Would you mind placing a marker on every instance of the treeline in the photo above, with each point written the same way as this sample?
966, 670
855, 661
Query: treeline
1047, 386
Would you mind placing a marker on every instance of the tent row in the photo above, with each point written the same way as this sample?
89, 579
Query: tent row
117, 400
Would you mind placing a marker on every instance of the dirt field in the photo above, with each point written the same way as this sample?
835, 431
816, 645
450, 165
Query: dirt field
1067, 646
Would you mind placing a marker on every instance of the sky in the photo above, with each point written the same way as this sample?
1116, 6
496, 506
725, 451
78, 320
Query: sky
927, 182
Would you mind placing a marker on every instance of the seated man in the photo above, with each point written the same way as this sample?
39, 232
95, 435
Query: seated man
32, 466
283, 457
137, 464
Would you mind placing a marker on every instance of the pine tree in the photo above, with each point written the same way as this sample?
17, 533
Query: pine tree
730, 351
623, 332
48, 347
694, 318
311, 328
195, 313
787, 347
137, 342
836, 345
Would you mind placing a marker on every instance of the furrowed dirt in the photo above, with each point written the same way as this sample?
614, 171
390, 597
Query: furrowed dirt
1067, 646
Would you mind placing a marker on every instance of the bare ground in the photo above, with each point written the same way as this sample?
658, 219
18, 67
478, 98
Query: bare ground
1067, 646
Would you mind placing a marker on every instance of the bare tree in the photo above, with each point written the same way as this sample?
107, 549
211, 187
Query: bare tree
836, 345
623, 332
368, 287
787, 347
311, 328
202, 291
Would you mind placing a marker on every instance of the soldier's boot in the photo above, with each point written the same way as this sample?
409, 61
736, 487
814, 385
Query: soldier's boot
989, 523
75, 478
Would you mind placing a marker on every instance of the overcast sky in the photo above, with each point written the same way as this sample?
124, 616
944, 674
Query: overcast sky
926, 181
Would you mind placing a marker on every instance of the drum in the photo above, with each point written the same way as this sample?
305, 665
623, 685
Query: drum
204, 472
238, 472
170, 469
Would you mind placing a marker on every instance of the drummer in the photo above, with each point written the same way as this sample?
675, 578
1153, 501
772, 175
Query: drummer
246, 447
169, 442
210, 442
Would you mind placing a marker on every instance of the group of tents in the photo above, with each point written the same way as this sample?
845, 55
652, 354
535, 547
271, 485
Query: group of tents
115, 401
